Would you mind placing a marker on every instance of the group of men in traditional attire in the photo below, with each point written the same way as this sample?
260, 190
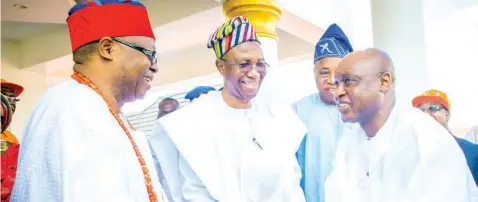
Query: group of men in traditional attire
347, 142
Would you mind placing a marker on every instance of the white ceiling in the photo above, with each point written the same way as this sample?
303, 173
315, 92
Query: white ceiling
16, 31
41, 15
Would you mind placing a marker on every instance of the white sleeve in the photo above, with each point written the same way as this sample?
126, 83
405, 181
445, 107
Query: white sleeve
55, 159
165, 153
193, 189
442, 174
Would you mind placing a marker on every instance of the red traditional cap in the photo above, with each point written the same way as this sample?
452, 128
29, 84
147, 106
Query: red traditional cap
91, 21
17, 89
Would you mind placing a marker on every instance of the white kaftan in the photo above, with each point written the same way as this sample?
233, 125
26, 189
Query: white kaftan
211, 144
74, 150
412, 158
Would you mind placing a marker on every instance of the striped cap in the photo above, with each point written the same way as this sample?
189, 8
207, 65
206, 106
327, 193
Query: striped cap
232, 33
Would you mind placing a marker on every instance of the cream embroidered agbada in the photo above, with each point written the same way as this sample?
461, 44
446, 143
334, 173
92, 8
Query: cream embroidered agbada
73, 150
207, 153
412, 158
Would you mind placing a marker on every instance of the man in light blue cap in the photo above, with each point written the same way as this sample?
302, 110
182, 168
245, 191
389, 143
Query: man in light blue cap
319, 114
197, 92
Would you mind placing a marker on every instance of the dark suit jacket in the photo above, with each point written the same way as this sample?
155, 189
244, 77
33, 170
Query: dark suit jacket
471, 154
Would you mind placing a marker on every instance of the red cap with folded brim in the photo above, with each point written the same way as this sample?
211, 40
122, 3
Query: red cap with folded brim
17, 89
424, 98
97, 21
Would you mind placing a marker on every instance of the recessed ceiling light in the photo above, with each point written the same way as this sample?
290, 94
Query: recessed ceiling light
20, 6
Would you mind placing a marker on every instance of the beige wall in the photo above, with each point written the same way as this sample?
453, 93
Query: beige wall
34, 84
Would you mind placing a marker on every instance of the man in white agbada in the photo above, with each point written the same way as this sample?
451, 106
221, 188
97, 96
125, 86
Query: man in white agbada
77, 146
398, 154
224, 146
320, 115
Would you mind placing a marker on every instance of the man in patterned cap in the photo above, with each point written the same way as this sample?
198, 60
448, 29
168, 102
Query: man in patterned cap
248, 153
398, 153
319, 114
10, 145
197, 92
77, 145
436, 104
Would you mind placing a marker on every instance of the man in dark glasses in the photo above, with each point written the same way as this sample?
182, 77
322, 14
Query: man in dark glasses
436, 104
77, 145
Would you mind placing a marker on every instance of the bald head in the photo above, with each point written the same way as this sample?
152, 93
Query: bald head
364, 84
368, 61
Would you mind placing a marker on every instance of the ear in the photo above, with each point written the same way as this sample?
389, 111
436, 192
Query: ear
106, 47
385, 81
221, 67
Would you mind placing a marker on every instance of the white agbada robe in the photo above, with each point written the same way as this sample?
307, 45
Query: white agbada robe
324, 129
206, 152
74, 150
412, 158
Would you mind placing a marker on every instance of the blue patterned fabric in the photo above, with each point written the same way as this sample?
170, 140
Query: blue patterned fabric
334, 43
198, 91
80, 6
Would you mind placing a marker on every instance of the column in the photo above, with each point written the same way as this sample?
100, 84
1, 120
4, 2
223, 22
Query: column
398, 29
264, 15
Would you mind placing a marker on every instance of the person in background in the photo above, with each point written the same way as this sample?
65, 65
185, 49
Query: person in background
320, 115
436, 104
9, 143
248, 153
197, 92
166, 106
77, 145
399, 153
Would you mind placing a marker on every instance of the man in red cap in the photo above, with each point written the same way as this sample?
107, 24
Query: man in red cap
77, 146
436, 104
10, 145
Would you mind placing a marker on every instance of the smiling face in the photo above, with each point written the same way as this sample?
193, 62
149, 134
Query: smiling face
136, 68
324, 78
362, 84
243, 69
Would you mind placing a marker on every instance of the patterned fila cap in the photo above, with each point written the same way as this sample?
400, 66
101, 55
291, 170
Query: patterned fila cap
232, 33
334, 43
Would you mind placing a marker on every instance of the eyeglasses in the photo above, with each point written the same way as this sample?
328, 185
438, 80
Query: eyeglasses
152, 55
247, 66
13, 99
431, 108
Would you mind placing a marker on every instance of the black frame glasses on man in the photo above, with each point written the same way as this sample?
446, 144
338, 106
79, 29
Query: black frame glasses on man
261, 66
152, 54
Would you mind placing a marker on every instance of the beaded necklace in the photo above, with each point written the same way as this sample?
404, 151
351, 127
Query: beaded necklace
147, 178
